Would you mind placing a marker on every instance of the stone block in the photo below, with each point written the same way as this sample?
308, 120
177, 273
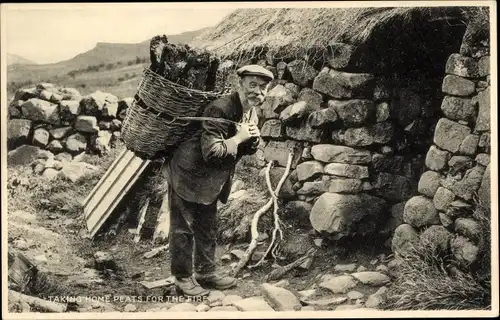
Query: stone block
420, 212
449, 135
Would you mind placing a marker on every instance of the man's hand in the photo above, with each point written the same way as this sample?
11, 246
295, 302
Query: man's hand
246, 131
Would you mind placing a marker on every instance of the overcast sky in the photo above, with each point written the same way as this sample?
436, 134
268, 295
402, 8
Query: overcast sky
48, 33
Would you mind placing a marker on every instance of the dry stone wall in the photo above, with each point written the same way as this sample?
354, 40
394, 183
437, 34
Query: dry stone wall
457, 164
63, 123
353, 135
361, 140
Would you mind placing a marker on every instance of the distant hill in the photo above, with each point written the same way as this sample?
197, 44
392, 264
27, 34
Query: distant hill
101, 54
17, 59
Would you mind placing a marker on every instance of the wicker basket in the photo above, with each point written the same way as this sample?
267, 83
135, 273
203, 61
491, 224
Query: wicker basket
150, 127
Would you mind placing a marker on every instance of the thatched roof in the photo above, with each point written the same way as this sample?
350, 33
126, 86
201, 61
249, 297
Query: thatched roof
298, 28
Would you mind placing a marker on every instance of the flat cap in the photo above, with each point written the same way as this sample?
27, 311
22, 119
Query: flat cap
255, 70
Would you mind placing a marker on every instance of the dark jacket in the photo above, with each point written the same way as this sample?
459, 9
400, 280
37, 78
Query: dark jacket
201, 168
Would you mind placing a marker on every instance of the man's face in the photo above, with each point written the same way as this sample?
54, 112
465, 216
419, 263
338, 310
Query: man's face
253, 90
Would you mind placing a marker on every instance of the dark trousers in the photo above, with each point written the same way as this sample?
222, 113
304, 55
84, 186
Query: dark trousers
193, 227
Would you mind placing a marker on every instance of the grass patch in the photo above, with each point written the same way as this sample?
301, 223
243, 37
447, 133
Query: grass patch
429, 279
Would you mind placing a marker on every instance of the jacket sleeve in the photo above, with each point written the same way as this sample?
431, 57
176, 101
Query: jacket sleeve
216, 146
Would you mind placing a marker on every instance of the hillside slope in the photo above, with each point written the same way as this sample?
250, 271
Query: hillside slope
17, 59
101, 54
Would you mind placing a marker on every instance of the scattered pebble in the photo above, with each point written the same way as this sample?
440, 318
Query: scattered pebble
354, 295
202, 307
40, 258
307, 293
382, 268
318, 242
282, 283
361, 269
229, 300
130, 308
225, 258
238, 253
345, 267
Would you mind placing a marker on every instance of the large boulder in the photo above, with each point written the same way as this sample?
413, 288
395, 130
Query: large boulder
353, 112
14, 109
86, 124
272, 129
25, 94
484, 192
309, 170
467, 187
340, 154
339, 284
322, 117
41, 137
404, 240
41, 110
429, 183
76, 143
343, 85
61, 133
304, 132
70, 109
380, 133
345, 185
457, 108
449, 134
483, 118
280, 299
70, 94
469, 228
437, 159
458, 86
18, 131
463, 66
74, 171
276, 101
23, 155
294, 112
347, 170
464, 250
55, 146
469, 145
443, 198
102, 141
347, 214
312, 99
420, 212
302, 73
95, 103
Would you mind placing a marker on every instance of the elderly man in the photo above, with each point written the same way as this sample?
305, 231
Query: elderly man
200, 173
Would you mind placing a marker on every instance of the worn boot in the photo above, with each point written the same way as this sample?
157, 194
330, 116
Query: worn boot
190, 287
215, 281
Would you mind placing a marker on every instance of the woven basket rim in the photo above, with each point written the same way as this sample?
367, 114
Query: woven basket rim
150, 74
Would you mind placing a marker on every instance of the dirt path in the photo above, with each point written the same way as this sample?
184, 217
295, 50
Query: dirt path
56, 241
